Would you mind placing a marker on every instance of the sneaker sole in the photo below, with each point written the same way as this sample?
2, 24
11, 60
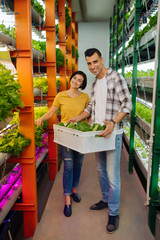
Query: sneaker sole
112, 231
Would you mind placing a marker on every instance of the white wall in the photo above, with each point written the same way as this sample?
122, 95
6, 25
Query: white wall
92, 35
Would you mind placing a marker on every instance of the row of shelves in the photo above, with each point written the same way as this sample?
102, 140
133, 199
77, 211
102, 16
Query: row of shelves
134, 37
26, 64
122, 33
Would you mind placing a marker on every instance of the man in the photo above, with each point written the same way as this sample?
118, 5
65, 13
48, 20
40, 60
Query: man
110, 103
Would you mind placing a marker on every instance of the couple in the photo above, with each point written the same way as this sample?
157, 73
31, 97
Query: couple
110, 103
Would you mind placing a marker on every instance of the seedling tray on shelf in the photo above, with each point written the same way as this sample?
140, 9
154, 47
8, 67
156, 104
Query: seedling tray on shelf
83, 142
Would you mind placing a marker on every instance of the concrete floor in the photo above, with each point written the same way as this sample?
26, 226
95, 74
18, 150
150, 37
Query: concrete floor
85, 224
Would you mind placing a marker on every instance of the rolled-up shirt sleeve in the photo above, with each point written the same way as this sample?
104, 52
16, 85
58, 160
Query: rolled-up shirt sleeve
89, 108
124, 95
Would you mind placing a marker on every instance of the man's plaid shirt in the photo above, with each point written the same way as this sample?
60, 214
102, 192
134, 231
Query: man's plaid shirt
118, 97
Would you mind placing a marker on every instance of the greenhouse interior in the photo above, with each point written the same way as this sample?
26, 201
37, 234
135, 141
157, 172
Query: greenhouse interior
42, 43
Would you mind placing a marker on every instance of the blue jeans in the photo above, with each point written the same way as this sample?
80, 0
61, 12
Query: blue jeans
108, 167
72, 169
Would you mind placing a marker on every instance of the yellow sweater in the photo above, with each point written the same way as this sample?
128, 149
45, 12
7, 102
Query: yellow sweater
70, 107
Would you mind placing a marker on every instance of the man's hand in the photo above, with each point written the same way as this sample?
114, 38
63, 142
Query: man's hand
109, 129
75, 120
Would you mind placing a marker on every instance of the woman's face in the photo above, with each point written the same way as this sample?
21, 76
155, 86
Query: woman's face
76, 81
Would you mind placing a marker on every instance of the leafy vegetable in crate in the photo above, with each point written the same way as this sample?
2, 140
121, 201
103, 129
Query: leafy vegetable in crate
10, 95
84, 126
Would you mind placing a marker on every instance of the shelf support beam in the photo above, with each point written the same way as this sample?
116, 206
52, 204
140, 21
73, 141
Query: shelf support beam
134, 78
24, 68
51, 80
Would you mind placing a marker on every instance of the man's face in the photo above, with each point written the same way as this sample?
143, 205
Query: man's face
95, 64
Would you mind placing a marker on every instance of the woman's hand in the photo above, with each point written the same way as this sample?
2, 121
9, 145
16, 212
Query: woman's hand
109, 129
38, 122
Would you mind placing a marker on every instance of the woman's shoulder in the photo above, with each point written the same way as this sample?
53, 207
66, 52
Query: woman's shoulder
60, 94
84, 94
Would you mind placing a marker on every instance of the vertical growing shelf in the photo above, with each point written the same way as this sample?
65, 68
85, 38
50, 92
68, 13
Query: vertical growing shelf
133, 34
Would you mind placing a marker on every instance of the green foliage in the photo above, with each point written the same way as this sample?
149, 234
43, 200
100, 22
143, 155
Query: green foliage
140, 73
144, 112
68, 17
120, 28
14, 143
121, 3
84, 126
39, 131
59, 58
10, 95
8, 30
38, 7
39, 112
57, 29
77, 55
152, 23
127, 16
58, 82
73, 51
40, 82
115, 19
41, 46
130, 43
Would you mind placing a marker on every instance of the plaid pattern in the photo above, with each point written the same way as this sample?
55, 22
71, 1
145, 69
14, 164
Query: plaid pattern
118, 97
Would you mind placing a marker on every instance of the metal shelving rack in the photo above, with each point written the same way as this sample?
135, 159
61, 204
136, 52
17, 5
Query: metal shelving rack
141, 51
25, 64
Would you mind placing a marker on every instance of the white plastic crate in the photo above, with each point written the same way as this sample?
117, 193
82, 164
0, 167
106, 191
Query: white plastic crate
83, 142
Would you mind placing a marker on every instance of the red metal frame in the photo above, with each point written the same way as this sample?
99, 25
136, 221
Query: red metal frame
51, 79
24, 69
69, 44
62, 44
74, 39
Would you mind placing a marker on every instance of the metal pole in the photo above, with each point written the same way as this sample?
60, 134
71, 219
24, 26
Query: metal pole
156, 135
134, 77
117, 35
123, 37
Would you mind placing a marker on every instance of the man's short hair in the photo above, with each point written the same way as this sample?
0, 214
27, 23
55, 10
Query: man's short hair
89, 52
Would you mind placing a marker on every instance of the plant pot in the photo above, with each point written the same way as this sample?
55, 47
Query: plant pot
38, 92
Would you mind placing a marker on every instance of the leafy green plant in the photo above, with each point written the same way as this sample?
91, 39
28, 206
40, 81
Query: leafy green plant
40, 82
58, 83
152, 23
73, 51
77, 55
8, 30
39, 131
10, 95
41, 46
14, 142
120, 27
38, 7
115, 19
68, 17
140, 73
144, 112
59, 57
84, 126
57, 29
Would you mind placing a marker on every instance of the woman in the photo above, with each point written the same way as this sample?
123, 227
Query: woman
71, 102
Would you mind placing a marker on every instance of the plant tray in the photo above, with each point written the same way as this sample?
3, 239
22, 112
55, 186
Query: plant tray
83, 142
